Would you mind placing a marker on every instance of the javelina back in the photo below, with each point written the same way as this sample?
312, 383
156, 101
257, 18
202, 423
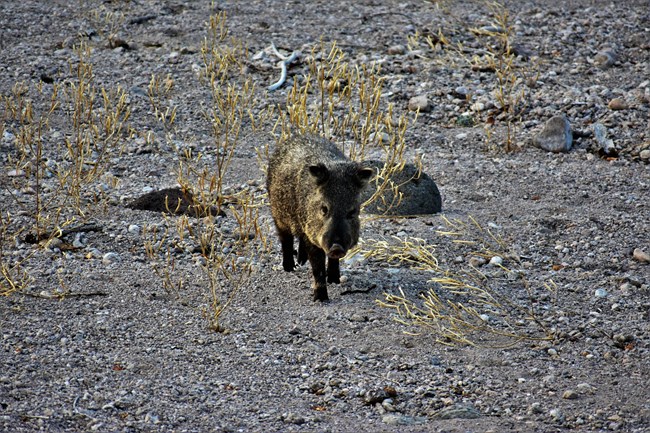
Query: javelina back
314, 193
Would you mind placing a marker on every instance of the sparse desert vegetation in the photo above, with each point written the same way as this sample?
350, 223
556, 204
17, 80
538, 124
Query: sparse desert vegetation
141, 279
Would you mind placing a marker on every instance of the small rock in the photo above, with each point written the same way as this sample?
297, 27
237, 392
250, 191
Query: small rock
496, 261
461, 92
600, 293
569, 394
292, 418
618, 104
417, 193
477, 261
393, 419
606, 145
640, 255
535, 408
54, 243
356, 317
78, 241
15, 173
419, 103
134, 229
110, 258
461, 411
556, 135
645, 154
556, 414
8, 137
375, 396
605, 59
466, 120
396, 49
585, 388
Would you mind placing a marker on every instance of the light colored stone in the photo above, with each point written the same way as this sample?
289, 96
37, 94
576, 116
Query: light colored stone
641, 255
556, 136
420, 103
618, 104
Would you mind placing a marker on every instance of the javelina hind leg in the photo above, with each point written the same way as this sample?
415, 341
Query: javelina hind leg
317, 260
286, 239
333, 271
302, 251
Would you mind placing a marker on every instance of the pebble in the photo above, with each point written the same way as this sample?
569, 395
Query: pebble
8, 137
569, 394
110, 258
420, 103
375, 396
292, 418
640, 255
393, 419
461, 92
556, 135
600, 293
477, 261
618, 104
585, 388
604, 143
556, 414
134, 229
605, 59
645, 154
496, 261
78, 241
396, 49
461, 411
16, 173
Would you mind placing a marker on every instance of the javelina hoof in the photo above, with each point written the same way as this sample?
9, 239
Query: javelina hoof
320, 294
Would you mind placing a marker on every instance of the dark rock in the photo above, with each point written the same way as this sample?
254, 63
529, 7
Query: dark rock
173, 201
420, 194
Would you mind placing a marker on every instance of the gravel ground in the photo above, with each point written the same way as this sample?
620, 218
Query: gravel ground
118, 352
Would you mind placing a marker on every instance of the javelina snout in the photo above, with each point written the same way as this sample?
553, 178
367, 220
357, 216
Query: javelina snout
314, 193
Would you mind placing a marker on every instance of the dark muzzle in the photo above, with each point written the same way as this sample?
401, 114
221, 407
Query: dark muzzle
336, 251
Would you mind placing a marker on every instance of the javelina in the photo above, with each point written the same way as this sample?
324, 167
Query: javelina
314, 193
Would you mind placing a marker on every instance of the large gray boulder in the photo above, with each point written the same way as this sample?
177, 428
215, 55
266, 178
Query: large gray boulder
420, 194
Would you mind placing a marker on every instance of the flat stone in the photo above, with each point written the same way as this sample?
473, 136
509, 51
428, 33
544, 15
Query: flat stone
460, 411
394, 419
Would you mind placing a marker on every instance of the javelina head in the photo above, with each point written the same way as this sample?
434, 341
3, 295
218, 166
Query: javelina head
332, 221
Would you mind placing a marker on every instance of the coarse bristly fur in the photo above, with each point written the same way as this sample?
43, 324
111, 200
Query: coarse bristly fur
314, 192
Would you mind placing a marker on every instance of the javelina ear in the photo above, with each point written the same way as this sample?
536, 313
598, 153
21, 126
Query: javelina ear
364, 174
320, 172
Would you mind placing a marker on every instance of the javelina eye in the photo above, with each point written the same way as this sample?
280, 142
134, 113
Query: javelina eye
324, 210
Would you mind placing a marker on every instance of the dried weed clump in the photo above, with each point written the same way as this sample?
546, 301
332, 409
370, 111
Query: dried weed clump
466, 303
342, 101
62, 151
227, 253
488, 50
65, 136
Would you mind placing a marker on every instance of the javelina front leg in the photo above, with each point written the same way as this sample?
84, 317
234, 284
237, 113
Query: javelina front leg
333, 271
286, 240
302, 251
317, 260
